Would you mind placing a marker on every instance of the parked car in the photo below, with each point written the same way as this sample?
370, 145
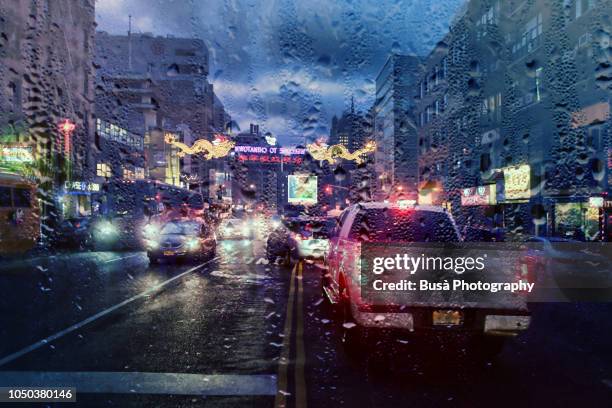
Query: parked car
580, 270
280, 244
75, 233
386, 223
300, 238
181, 239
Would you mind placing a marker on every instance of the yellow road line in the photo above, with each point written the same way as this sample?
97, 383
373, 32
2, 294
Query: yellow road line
280, 401
300, 359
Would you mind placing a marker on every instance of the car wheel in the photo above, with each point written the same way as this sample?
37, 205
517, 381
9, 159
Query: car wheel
352, 335
88, 244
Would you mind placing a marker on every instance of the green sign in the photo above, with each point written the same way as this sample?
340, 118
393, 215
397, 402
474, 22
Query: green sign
14, 158
302, 189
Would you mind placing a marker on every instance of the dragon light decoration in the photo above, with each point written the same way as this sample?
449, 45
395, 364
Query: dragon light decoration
220, 147
320, 151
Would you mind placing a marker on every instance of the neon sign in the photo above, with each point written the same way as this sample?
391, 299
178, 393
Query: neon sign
220, 147
320, 151
66, 128
269, 158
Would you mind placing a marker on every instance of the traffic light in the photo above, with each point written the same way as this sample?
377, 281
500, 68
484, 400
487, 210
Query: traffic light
328, 189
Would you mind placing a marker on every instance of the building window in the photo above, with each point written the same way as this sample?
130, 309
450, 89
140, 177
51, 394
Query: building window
136, 174
491, 106
139, 173
444, 67
103, 170
582, 6
14, 95
584, 39
538, 84
115, 133
530, 37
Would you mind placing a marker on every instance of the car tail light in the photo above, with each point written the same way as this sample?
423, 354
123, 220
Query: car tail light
525, 270
77, 225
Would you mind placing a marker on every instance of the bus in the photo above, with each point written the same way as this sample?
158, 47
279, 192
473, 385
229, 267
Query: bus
19, 214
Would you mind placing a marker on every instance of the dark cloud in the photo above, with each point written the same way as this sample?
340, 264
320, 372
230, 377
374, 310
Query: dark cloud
290, 64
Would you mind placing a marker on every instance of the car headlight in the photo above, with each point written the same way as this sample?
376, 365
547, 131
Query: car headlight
150, 230
192, 244
106, 228
152, 244
105, 231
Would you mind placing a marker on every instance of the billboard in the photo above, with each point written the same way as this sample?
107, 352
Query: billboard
481, 195
517, 182
302, 189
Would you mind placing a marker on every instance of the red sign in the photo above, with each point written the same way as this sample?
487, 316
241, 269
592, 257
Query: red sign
270, 159
481, 195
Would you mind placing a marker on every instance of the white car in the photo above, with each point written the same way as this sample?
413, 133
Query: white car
312, 237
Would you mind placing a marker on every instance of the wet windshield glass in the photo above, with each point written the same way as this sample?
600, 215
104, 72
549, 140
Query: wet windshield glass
305, 203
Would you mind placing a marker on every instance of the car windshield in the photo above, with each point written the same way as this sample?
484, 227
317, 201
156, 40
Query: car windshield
395, 225
190, 192
182, 228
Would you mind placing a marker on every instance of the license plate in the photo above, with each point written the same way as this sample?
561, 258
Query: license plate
168, 253
447, 317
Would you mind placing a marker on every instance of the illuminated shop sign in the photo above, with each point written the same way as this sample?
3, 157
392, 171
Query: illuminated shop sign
302, 189
517, 182
16, 154
481, 195
596, 202
81, 186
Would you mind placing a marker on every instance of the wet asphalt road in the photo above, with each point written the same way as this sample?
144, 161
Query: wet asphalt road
235, 331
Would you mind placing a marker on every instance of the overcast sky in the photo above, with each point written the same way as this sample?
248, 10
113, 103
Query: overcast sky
290, 65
